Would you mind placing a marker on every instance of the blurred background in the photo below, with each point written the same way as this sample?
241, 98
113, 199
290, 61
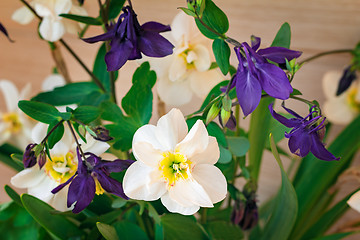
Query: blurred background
316, 26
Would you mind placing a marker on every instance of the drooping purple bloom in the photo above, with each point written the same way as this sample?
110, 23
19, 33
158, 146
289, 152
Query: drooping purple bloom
129, 40
347, 78
255, 73
29, 158
305, 135
102, 134
83, 183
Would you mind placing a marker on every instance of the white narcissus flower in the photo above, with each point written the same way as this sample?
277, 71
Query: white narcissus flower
52, 26
175, 165
15, 126
186, 71
40, 182
354, 201
344, 108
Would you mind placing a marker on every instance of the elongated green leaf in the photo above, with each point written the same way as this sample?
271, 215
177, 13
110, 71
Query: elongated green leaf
86, 114
285, 207
222, 54
188, 11
283, 37
56, 225
188, 230
215, 18
10, 162
56, 135
41, 112
107, 231
100, 69
129, 231
221, 230
214, 92
82, 19
258, 133
318, 175
238, 145
68, 94
13, 195
115, 8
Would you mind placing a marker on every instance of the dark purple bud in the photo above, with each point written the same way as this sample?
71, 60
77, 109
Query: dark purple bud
42, 159
245, 214
5, 32
102, 134
29, 158
347, 78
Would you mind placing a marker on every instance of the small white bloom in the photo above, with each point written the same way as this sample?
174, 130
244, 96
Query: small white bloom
175, 165
40, 182
15, 126
186, 71
354, 201
344, 108
52, 26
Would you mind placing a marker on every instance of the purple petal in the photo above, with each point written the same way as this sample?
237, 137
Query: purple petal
118, 54
82, 169
103, 37
92, 159
290, 123
115, 166
61, 186
153, 44
278, 54
81, 191
110, 185
319, 150
274, 81
255, 42
248, 91
299, 142
5, 32
155, 27
292, 112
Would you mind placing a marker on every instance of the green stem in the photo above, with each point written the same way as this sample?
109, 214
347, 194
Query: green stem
302, 100
51, 131
326, 53
77, 142
203, 218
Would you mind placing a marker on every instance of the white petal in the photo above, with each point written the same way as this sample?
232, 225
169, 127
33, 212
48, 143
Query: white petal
189, 193
171, 129
23, 15
176, 207
53, 81
25, 92
202, 61
159, 65
51, 30
71, 26
180, 26
210, 155
178, 68
43, 10
94, 146
39, 132
330, 83
59, 199
174, 93
28, 177
62, 6
11, 95
338, 111
354, 201
43, 189
146, 153
212, 180
59, 149
202, 82
147, 133
196, 141
143, 183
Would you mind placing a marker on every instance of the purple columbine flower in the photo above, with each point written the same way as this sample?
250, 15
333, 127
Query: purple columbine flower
305, 135
29, 158
129, 40
90, 172
255, 73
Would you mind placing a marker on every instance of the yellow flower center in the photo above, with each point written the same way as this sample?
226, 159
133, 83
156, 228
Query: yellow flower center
61, 168
12, 119
351, 98
173, 167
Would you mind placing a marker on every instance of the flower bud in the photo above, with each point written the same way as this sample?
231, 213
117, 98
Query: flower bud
42, 159
29, 158
213, 112
245, 214
225, 116
102, 134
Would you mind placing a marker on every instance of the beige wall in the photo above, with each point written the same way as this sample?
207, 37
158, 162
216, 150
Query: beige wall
317, 26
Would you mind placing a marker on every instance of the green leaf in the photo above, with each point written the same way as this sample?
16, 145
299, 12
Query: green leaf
283, 37
214, 92
56, 225
222, 54
13, 195
179, 227
68, 94
129, 231
277, 129
86, 114
215, 18
107, 231
82, 19
225, 155
41, 112
238, 145
335, 236
188, 11
153, 213
221, 230
12, 162
285, 207
56, 135
215, 131
100, 69
115, 8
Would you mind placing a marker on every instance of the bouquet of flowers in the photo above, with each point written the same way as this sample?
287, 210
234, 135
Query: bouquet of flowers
93, 167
